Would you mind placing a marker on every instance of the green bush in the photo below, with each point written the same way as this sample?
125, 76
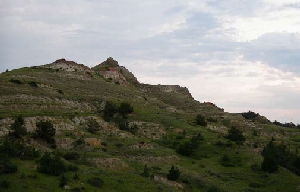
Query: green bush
235, 135
173, 174
33, 84
124, 109
6, 166
63, 181
146, 172
46, 131
96, 182
4, 184
71, 155
200, 120
109, 111
17, 128
51, 165
15, 81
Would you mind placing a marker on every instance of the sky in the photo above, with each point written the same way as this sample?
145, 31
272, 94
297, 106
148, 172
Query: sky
241, 55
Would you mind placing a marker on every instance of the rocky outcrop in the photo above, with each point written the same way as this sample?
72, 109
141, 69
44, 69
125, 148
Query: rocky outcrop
165, 89
65, 65
111, 70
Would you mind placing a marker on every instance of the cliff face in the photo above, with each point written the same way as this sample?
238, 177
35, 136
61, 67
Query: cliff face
165, 89
111, 70
65, 65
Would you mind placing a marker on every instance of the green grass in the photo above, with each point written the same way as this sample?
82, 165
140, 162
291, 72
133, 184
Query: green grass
197, 174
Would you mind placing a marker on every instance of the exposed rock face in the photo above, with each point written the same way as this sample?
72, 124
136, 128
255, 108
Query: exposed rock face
166, 89
109, 163
110, 69
63, 64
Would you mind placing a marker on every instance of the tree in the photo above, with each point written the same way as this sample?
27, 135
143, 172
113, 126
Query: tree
51, 165
269, 164
46, 131
200, 120
109, 111
63, 180
173, 174
124, 109
146, 172
18, 129
235, 135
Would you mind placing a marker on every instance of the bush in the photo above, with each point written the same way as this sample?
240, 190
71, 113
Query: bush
60, 91
225, 161
173, 174
191, 147
124, 109
200, 120
235, 135
18, 129
269, 164
71, 156
4, 184
109, 111
146, 172
214, 189
6, 166
33, 84
51, 165
46, 131
96, 182
15, 81
63, 180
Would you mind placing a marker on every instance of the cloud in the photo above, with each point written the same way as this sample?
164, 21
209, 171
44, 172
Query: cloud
241, 55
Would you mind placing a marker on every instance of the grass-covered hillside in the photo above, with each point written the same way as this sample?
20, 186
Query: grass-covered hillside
66, 127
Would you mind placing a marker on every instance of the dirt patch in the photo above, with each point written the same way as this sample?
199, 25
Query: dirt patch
109, 163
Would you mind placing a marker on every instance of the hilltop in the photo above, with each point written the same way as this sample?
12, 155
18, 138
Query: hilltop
113, 133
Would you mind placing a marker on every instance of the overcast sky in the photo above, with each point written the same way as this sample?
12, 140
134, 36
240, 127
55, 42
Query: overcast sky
240, 54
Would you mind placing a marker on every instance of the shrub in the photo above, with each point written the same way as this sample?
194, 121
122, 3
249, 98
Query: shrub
146, 172
63, 180
124, 109
200, 120
15, 81
173, 174
33, 84
96, 182
269, 164
225, 161
4, 184
235, 135
71, 155
18, 129
214, 189
255, 185
60, 91
51, 165
109, 110
6, 166
46, 131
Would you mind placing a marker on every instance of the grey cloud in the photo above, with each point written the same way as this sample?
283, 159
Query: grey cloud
280, 50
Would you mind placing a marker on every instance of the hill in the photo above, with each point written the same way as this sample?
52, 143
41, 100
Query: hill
65, 126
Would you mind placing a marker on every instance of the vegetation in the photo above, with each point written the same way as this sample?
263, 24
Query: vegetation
173, 174
200, 120
124, 137
51, 165
17, 129
236, 135
46, 131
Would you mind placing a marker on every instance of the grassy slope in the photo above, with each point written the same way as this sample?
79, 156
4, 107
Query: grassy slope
80, 97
